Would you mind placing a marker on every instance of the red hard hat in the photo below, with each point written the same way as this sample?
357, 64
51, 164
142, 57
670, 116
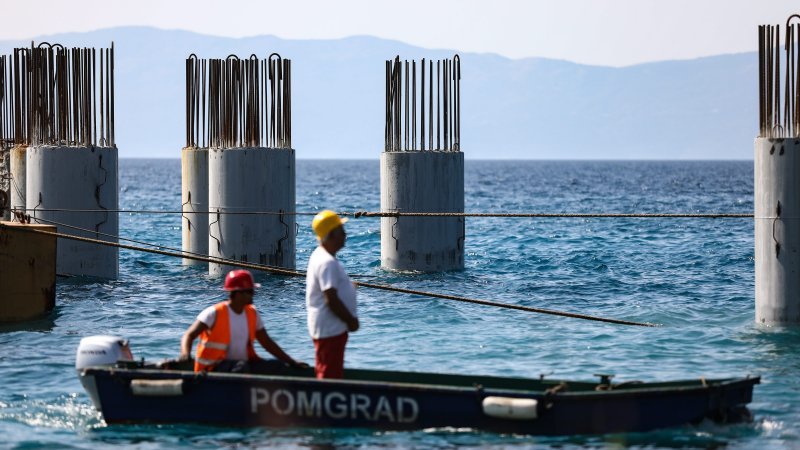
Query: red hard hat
239, 280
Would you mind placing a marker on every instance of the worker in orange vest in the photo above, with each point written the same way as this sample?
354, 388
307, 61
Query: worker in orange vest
227, 331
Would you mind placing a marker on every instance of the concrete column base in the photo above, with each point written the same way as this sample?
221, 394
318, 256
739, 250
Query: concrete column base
5, 178
422, 181
243, 180
77, 178
17, 163
777, 230
194, 197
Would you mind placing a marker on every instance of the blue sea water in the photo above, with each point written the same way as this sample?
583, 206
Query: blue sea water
693, 276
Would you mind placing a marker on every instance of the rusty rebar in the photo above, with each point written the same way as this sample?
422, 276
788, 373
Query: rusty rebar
779, 91
56, 96
5, 132
410, 90
238, 102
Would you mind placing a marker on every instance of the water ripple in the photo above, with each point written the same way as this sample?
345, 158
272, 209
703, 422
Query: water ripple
692, 276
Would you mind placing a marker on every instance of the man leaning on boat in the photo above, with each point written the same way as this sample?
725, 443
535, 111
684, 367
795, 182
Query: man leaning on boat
227, 331
330, 297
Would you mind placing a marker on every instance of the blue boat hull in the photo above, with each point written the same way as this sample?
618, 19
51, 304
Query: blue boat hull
302, 401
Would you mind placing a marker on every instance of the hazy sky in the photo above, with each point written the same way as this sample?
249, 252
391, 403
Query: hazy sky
603, 32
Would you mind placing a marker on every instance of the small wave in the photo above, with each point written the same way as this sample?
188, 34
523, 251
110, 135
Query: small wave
66, 412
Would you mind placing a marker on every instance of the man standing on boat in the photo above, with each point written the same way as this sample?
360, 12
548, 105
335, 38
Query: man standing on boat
330, 297
227, 331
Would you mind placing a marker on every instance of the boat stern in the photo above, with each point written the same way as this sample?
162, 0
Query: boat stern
89, 384
728, 401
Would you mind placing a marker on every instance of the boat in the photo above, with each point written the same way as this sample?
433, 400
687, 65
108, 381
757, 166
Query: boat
126, 391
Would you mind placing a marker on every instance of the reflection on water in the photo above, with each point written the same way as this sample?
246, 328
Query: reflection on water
41, 324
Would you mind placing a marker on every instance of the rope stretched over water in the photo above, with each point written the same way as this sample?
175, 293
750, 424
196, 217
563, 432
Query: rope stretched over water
295, 273
159, 246
551, 215
359, 214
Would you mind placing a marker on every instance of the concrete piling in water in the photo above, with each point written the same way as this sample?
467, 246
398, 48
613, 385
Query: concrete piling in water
17, 177
194, 165
12, 156
422, 167
71, 187
777, 230
65, 166
194, 202
776, 177
238, 111
248, 181
422, 182
15, 117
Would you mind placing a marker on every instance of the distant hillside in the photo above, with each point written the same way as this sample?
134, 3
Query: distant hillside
529, 108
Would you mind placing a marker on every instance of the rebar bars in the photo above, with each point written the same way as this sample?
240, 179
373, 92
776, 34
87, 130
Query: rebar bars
772, 81
236, 102
57, 95
6, 104
405, 105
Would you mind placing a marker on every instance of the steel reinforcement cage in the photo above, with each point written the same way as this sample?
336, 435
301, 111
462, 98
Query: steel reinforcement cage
236, 102
410, 91
63, 96
779, 90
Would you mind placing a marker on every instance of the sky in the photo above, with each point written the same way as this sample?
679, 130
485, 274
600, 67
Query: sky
597, 32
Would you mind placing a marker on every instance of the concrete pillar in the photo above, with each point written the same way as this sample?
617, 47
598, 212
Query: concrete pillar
194, 197
250, 180
422, 181
777, 230
77, 178
28, 268
17, 163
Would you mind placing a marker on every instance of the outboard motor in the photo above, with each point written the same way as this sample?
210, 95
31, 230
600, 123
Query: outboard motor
96, 351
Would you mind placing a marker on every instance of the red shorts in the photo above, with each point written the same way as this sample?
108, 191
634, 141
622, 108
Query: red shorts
329, 356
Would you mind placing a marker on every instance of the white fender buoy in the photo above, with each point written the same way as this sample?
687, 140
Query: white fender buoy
157, 388
510, 408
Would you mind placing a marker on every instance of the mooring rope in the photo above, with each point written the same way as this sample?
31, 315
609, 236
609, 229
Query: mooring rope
359, 214
295, 273
159, 246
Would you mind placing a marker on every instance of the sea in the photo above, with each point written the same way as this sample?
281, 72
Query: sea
694, 277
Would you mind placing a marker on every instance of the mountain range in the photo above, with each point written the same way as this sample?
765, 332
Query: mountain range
531, 108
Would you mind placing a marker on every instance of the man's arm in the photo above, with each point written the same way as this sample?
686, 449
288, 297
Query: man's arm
189, 336
276, 350
341, 311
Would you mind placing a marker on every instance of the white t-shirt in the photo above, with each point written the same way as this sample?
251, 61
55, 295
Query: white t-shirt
325, 272
238, 326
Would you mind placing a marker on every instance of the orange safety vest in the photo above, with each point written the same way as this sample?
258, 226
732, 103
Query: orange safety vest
214, 341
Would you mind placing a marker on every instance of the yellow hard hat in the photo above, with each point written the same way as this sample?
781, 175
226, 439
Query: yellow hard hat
325, 222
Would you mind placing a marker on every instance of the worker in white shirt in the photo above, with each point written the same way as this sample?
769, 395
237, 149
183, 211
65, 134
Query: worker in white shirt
330, 297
